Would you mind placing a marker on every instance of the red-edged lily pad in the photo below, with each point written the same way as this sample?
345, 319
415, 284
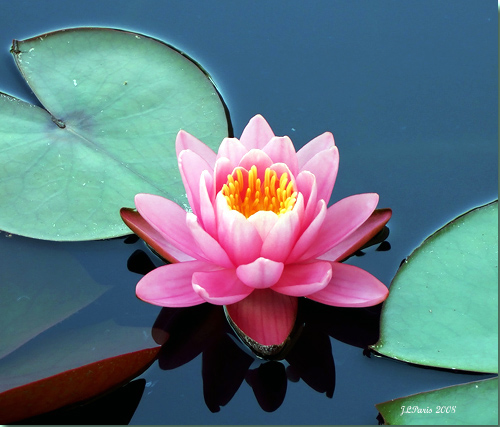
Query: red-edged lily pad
72, 386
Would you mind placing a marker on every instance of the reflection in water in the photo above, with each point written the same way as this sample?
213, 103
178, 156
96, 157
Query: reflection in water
114, 408
226, 363
184, 333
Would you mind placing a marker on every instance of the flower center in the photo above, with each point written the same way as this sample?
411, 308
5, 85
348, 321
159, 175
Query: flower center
276, 195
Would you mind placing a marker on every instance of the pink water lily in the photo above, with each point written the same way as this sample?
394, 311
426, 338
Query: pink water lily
259, 234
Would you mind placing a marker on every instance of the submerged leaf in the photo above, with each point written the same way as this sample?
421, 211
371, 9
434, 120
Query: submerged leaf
114, 102
59, 351
60, 368
442, 309
34, 299
74, 385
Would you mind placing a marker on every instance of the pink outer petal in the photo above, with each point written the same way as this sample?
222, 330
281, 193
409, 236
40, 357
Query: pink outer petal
359, 237
191, 167
152, 237
281, 150
208, 247
260, 274
351, 287
306, 184
207, 211
342, 219
186, 141
300, 280
171, 285
324, 165
220, 287
170, 220
257, 133
232, 149
265, 316
322, 142
310, 235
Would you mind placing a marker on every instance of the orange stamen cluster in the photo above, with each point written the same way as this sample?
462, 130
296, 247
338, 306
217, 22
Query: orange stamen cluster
276, 195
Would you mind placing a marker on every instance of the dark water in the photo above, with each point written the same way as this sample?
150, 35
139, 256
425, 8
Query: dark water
409, 90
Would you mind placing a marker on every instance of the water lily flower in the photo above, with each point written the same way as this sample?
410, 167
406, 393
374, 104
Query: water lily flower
259, 234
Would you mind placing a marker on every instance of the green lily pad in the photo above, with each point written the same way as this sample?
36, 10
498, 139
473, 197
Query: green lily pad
475, 403
114, 102
442, 309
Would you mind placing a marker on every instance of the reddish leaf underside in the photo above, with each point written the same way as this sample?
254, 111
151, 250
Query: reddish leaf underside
146, 232
73, 386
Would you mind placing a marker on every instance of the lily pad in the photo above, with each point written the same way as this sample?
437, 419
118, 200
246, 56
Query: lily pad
70, 366
55, 351
442, 309
114, 102
475, 403
74, 385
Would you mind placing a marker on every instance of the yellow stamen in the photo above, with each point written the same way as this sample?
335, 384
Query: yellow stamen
275, 194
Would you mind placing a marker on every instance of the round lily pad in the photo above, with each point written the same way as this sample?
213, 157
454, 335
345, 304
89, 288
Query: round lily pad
442, 309
114, 102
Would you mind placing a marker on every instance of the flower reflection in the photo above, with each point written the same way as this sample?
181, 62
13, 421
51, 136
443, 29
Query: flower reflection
185, 333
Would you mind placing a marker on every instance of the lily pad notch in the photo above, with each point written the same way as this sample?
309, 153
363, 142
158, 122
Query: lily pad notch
114, 102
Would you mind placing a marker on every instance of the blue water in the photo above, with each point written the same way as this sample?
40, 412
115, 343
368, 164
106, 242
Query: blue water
410, 92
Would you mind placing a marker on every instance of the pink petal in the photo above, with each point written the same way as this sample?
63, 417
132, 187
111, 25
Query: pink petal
265, 316
232, 149
263, 221
310, 235
280, 169
207, 198
152, 237
281, 150
351, 287
306, 184
207, 247
369, 229
322, 142
282, 237
171, 285
191, 166
261, 273
300, 280
342, 219
169, 219
223, 168
220, 287
236, 234
324, 165
258, 158
257, 133
186, 141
